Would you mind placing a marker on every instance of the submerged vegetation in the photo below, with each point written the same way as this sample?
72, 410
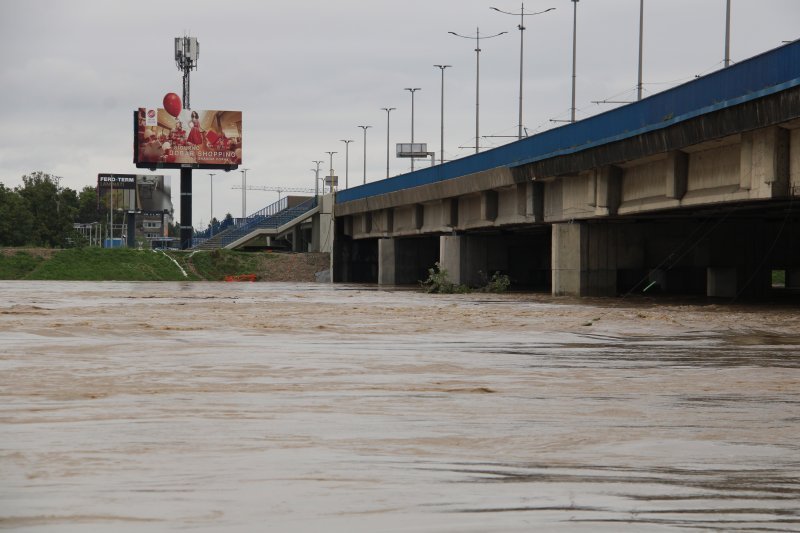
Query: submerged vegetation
438, 282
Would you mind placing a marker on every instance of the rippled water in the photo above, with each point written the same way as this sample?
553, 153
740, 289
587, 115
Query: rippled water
304, 407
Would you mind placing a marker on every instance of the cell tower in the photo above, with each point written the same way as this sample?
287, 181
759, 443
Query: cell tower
187, 50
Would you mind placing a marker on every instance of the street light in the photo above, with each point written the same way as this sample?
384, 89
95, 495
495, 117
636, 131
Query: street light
521, 27
477, 39
727, 62
412, 91
388, 112
441, 115
641, 37
244, 191
316, 180
574, 47
331, 174
365, 151
212, 203
346, 161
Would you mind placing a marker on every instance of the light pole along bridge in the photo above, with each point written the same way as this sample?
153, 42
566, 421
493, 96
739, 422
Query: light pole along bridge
692, 190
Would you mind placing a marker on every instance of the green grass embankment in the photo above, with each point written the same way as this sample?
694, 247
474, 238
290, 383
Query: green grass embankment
96, 264
91, 264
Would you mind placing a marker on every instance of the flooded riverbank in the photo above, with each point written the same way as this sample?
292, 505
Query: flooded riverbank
308, 407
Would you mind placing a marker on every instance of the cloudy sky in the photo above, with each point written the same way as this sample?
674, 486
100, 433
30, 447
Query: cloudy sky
307, 74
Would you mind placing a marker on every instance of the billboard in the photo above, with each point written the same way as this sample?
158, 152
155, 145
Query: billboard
193, 139
135, 192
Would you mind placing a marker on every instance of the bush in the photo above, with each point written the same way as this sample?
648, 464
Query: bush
498, 283
439, 283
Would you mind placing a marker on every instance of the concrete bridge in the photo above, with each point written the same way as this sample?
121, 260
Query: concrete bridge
692, 190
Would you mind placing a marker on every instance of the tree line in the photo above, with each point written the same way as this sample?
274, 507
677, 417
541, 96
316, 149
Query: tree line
41, 213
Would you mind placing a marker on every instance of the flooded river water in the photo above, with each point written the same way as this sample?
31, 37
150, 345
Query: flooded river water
311, 407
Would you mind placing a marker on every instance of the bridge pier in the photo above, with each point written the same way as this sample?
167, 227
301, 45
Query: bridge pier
406, 261
585, 259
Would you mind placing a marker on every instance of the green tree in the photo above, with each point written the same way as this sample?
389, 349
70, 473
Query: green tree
16, 221
52, 213
87, 206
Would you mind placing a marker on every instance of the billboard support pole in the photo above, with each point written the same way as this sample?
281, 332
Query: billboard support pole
186, 208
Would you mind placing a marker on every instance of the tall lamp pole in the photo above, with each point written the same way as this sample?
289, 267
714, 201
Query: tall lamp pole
574, 54
412, 91
316, 179
641, 39
346, 161
331, 172
441, 116
521, 27
728, 34
365, 151
210, 175
244, 191
477, 39
388, 112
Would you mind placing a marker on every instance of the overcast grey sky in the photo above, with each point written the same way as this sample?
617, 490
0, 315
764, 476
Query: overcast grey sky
306, 74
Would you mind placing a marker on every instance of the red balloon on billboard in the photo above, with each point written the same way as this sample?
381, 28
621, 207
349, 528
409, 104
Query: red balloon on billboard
172, 103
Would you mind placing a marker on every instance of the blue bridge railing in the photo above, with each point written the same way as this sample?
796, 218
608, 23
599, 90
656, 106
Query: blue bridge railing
269, 217
761, 75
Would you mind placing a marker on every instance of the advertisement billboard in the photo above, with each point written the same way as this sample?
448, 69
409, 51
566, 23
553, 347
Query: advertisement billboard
135, 192
193, 139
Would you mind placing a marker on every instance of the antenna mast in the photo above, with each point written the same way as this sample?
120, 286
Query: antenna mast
187, 50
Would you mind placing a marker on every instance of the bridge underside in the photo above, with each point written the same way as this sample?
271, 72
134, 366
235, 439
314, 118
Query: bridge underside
707, 206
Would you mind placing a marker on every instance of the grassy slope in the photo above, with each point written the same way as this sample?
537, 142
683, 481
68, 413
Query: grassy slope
95, 264
18, 265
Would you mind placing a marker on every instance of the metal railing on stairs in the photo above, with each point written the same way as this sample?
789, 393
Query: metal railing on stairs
272, 216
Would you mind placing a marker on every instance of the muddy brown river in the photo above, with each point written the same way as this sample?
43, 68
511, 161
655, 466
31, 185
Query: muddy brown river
309, 407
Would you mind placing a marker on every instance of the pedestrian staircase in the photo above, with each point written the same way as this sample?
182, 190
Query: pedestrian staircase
273, 216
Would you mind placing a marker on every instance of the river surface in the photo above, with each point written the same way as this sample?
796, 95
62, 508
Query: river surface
309, 407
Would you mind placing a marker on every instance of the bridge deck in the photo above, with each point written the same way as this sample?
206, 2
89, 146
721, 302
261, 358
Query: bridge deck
756, 77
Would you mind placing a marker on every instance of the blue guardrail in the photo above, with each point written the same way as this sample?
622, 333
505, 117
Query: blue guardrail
761, 75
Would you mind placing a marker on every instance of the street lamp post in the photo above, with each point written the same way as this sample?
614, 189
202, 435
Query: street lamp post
365, 151
641, 38
441, 116
316, 179
331, 172
412, 91
521, 27
210, 175
477, 39
727, 62
346, 162
388, 112
574, 55
244, 192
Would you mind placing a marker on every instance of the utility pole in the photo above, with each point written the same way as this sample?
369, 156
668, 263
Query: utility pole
388, 112
187, 51
477, 38
412, 91
365, 152
316, 179
210, 175
346, 161
441, 116
244, 191
521, 27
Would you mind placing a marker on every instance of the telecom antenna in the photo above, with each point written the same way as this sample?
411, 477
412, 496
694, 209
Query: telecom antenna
187, 50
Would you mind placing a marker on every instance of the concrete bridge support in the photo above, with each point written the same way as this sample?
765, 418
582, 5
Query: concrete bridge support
585, 259
354, 260
472, 259
406, 261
